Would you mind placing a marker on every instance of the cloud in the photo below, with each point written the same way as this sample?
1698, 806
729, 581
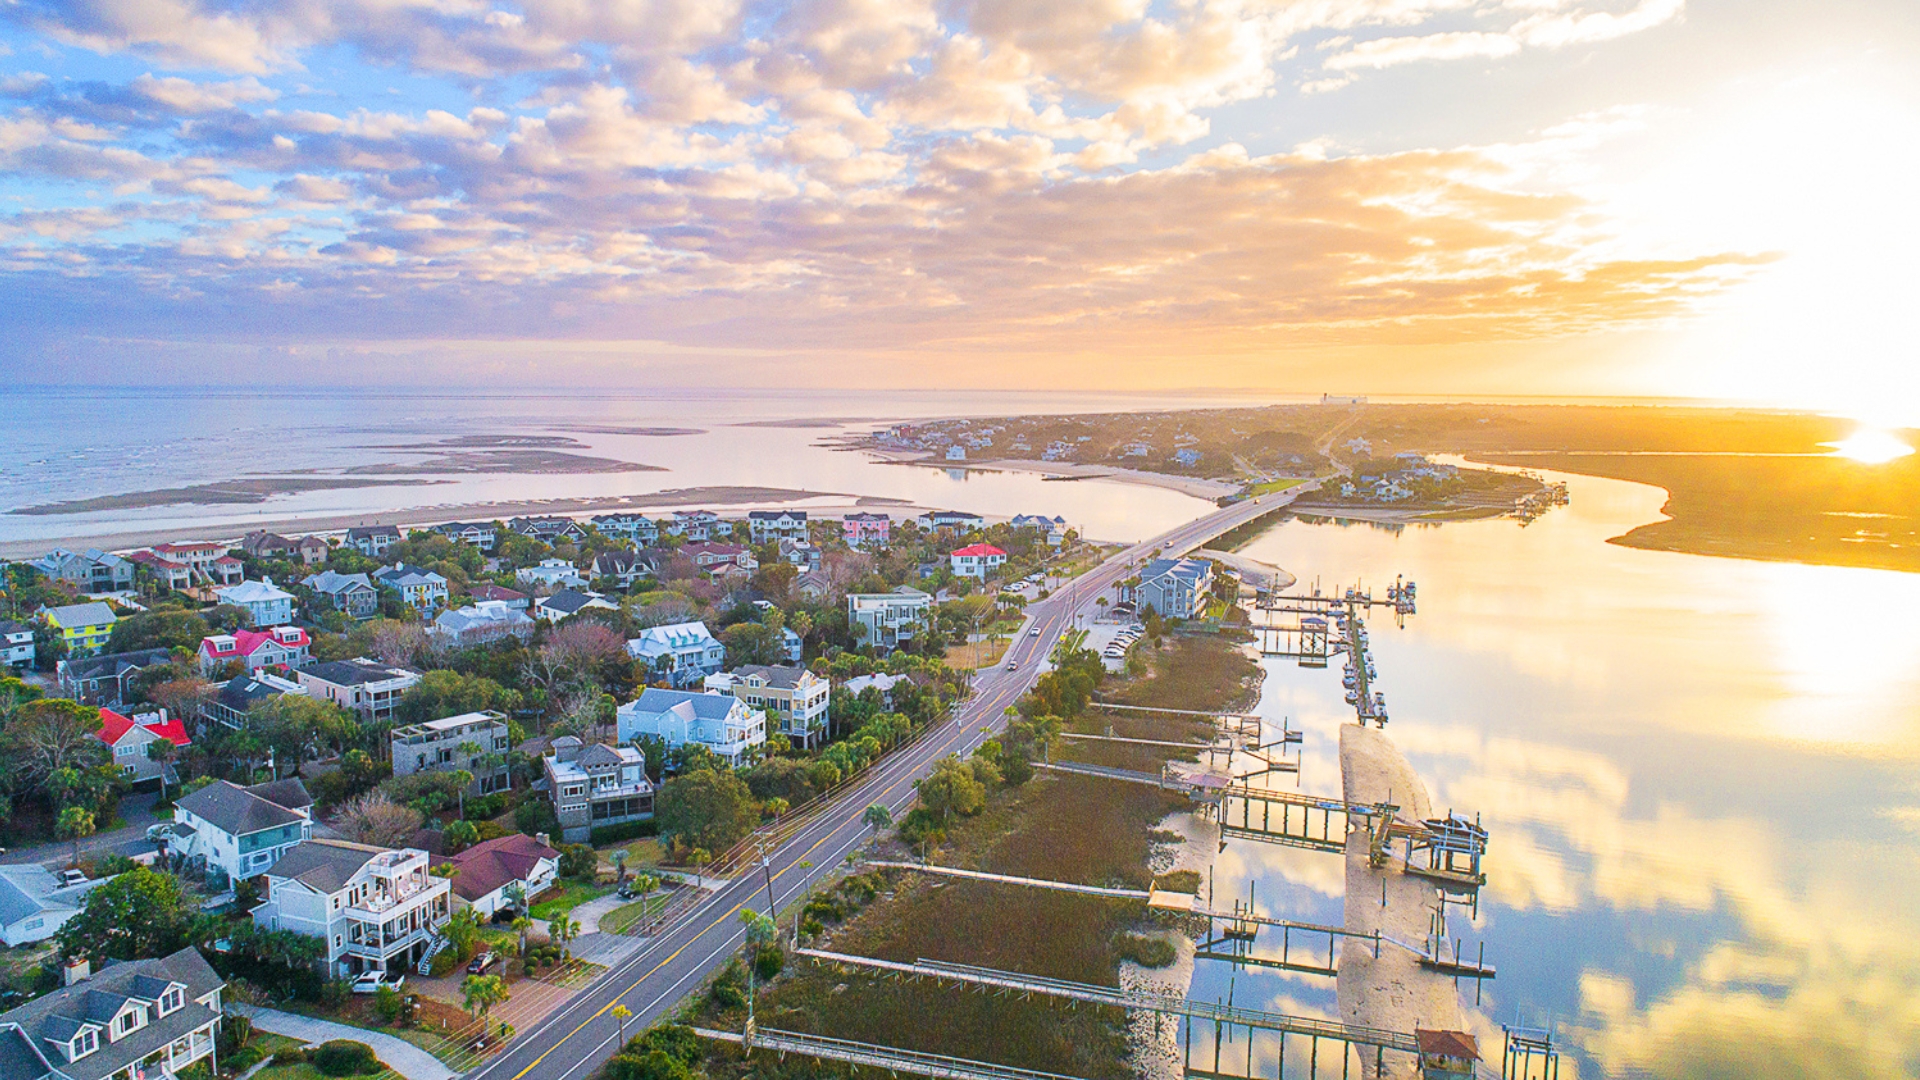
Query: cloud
1548, 28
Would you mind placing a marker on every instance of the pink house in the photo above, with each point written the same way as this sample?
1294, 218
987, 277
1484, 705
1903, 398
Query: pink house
865, 528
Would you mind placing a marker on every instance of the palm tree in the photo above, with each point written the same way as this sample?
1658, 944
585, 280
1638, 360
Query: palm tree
75, 823
522, 924
620, 1013
516, 894
564, 930
162, 751
619, 865
645, 884
480, 993
877, 817
470, 750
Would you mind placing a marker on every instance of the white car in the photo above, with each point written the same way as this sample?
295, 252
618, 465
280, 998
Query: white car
372, 981
1035, 632
1013, 665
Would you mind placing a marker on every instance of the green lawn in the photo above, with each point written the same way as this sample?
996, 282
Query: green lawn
642, 854
566, 897
617, 920
1272, 486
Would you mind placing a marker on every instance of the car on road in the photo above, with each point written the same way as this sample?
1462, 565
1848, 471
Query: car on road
1013, 665
1035, 632
374, 980
480, 964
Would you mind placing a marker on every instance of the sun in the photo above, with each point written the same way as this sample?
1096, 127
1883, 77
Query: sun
1871, 446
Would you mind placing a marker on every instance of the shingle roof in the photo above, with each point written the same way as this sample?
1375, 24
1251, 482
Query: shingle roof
237, 810
490, 864
331, 582
113, 664
290, 793
323, 865
61, 1011
72, 615
19, 1057
569, 601
252, 592
704, 706
240, 694
356, 671
778, 676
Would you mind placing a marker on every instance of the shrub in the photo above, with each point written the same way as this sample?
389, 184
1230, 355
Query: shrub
489, 830
729, 989
344, 1057
442, 964
291, 1057
1180, 881
482, 807
1145, 950
242, 1059
768, 962
529, 967
631, 830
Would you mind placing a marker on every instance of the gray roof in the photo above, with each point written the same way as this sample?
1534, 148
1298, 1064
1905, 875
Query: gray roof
778, 676
330, 582
323, 865
47, 1018
241, 694
569, 601
113, 665
290, 793
237, 810
704, 706
367, 531
356, 671
8, 626
29, 889
92, 614
19, 1060
1187, 570
408, 574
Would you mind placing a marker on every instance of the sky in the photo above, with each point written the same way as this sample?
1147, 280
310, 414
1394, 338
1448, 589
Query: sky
1524, 197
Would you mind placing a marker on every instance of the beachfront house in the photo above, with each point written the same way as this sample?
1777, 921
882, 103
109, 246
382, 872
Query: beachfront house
283, 646
683, 653
377, 909
368, 688
108, 679
765, 525
313, 550
1176, 588
151, 1018
548, 530
692, 524
722, 723
479, 534
91, 571
1054, 529
797, 696
861, 529
350, 594
887, 619
950, 521
373, 540
595, 786
207, 562
636, 529
266, 604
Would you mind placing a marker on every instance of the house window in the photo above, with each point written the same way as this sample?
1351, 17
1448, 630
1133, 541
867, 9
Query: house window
84, 1043
171, 1000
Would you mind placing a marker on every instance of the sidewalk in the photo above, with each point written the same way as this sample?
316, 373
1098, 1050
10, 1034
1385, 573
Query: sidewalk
400, 1055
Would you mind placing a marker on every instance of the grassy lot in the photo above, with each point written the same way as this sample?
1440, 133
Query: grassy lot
983, 654
1063, 827
642, 854
1271, 486
565, 897
617, 920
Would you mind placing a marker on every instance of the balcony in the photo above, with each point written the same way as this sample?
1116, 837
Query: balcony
387, 946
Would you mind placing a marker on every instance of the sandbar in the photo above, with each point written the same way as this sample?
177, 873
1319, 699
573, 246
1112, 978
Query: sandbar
256, 490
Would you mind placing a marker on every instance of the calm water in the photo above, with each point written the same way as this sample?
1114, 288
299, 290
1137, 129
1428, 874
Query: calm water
1699, 776
68, 444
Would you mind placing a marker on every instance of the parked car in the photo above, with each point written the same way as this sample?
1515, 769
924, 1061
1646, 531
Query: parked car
626, 890
374, 980
479, 964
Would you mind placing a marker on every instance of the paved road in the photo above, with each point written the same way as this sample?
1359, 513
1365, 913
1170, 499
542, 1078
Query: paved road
572, 1043
135, 810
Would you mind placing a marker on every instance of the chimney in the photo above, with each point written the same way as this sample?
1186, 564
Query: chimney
542, 839
75, 970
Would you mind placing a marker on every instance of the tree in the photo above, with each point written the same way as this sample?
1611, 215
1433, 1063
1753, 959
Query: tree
620, 1014
705, 808
294, 726
877, 817
449, 693
162, 751
951, 788
620, 865
75, 823
480, 993
645, 884
521, 924
140, 913
563, 930
14, 696
53, 733
183, 696
463, 932
158, 630
579, 861
752, 643
459, 836
373, 818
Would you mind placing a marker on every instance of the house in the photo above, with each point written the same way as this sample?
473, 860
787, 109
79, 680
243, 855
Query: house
693, 524
880, 681
148, 1018
177, 576
976, 561
683, 652
889, 618
266, 545
476, 742
373, 540
765, 525
1186, 457
950, 520
862, 529
423, 590
548, 530
350, 594
1176, 588
16, 644
34, 904
716, 559
233, 833
801, 553
796, 695
238, 695
282, 646
266, 603
127, 739
204, 559
636, 529
813, 585
594, 786
478, 534
515, 600
377, 909
368, 688
487, 870
956, 453
1053, 528
313, 550
551, 574
1446, 1055
105, 680
84, 628
488, 620
91, 571
569, 602
792, 645
624, 567
720, 722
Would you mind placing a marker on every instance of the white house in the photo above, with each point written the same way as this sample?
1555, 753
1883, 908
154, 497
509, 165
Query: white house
722, 723
237, 832
377, 909
552, 574
423, 590
266, 603
282, 646
489, 869
685, 652
373, 540
1053, 528
34, 904
487, 620
371, 689
765, 525
569, 602
153, 1018
891, 617
16, 644
976, 560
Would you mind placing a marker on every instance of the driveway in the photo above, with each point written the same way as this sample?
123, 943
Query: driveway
135, 810
400, 1055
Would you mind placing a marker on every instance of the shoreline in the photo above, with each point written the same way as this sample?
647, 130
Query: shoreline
1066, 470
